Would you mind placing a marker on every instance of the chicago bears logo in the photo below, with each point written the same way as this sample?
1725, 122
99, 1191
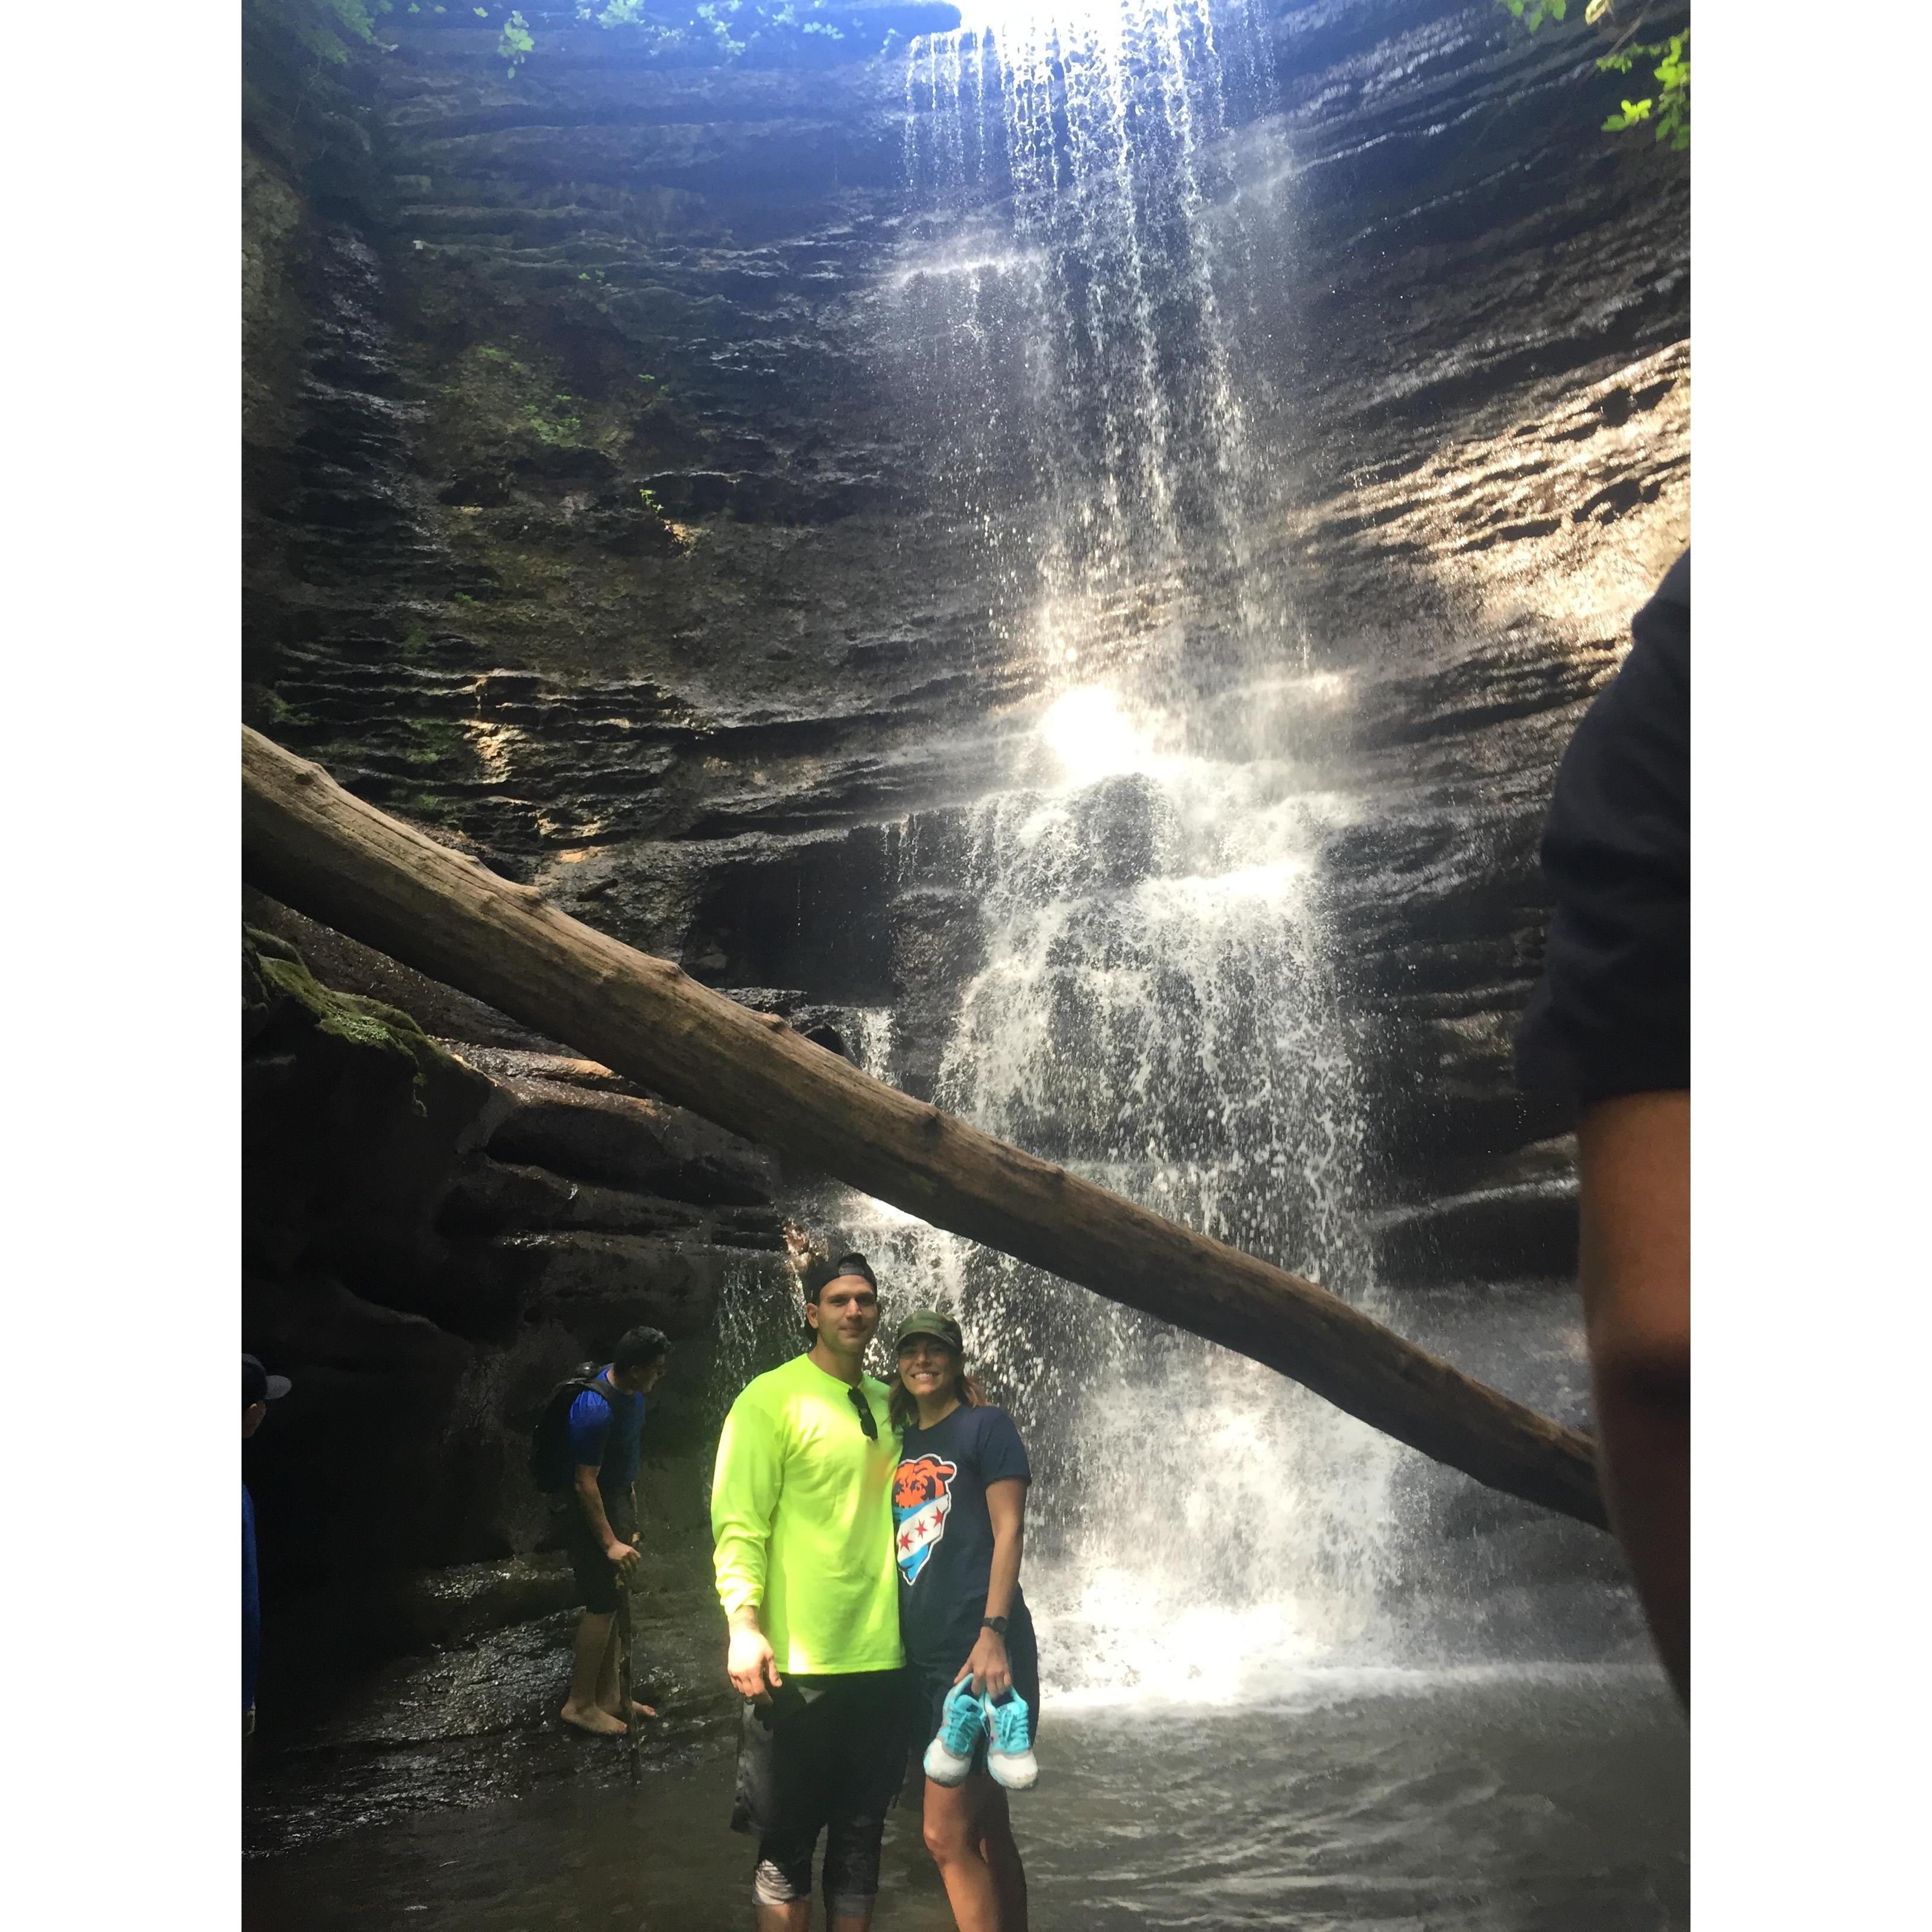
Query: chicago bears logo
922, 1497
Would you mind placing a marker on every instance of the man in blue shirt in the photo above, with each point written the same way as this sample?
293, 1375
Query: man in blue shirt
600, 1525
259, 1388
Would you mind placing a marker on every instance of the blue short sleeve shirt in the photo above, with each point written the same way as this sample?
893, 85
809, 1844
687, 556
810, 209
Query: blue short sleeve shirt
607, 1434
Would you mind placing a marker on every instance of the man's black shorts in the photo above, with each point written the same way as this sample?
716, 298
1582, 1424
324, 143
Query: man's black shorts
825, 1750
596, 1579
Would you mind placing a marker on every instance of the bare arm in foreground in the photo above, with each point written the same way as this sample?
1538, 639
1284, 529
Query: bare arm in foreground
1634, 1152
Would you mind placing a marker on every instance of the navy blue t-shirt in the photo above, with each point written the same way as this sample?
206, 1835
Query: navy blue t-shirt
606, 1433
943, 1532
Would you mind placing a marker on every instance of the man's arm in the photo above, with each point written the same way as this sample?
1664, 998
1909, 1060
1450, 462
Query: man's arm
590, 1500
1634, 1155
745, 1485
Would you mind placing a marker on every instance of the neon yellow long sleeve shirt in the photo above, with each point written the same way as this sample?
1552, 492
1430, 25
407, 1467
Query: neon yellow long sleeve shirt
802, 1521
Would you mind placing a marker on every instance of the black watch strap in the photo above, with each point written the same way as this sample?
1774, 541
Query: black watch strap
997, 1625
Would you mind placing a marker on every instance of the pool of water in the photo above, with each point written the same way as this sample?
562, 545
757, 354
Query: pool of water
1486, 1800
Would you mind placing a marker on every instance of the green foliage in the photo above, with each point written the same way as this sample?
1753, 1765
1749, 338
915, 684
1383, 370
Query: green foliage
329, 29
1672, 101
515, 42
298, 86
507, 387
723, 31
1668, 110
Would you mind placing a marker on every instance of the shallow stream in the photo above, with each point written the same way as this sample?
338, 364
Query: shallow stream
1528, 1799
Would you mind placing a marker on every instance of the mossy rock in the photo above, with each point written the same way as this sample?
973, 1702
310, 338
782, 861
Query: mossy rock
272, 969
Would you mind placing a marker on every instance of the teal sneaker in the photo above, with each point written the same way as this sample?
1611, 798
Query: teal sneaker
1009, 1742
961, 1719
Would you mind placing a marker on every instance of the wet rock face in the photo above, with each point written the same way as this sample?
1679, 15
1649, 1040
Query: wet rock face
605, 539
431, 1241
589, 525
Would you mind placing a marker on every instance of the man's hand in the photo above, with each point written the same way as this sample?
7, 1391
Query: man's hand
750, 1662
991, 1673
623, 1557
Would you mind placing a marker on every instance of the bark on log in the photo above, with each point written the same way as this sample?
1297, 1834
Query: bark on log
317, 848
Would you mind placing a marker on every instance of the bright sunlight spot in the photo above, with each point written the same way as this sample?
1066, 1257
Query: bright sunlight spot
1089, 734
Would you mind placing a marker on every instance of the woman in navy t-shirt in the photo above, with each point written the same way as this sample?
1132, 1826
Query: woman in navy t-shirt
959, 1511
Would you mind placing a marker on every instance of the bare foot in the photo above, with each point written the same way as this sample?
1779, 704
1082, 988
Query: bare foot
589, 1718
638, 1712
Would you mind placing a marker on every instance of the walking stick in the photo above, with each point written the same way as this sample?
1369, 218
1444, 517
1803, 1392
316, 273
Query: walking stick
625, 1695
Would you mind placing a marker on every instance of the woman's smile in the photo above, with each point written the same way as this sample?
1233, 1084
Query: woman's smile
924, 1371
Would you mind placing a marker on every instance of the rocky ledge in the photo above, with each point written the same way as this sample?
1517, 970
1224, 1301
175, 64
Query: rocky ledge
435, 1231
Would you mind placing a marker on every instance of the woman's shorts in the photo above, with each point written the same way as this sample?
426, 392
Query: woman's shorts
932, 1686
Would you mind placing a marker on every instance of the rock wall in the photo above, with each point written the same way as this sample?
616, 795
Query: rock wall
586, 527
435, 1232
595, 535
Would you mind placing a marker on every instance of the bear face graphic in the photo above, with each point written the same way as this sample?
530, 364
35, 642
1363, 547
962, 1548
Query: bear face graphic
921, 1498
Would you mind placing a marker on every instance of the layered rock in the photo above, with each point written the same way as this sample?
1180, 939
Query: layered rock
430, 1241
590, 526
610, 544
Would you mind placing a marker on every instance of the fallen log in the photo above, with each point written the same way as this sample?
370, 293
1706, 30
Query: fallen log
316, 848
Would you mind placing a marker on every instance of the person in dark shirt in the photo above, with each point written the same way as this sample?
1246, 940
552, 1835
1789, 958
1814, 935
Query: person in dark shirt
1608, 1029
259, 1388
959, 1511
600, 1523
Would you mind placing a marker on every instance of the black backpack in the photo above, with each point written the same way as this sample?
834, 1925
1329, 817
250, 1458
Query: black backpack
553, 1468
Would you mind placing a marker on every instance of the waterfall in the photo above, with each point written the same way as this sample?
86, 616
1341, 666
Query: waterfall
1064, 296
1155, 1004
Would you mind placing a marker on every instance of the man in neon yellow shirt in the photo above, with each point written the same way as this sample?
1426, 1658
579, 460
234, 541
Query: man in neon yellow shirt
802, 1527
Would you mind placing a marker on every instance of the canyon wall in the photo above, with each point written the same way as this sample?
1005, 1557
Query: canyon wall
592, 526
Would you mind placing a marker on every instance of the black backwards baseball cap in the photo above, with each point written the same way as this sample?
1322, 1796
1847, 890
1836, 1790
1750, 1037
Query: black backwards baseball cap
930, 1322
258, 1385
851, 1262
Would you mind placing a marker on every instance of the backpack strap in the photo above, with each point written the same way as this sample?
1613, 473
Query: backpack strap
588, 1380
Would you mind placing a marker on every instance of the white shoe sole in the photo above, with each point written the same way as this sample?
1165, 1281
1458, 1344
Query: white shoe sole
943, 1767
1017, 1774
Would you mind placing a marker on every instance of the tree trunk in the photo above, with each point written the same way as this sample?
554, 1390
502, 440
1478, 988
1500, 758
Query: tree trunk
311, 844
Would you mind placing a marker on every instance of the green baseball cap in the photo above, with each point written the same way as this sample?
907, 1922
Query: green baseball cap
930, 1322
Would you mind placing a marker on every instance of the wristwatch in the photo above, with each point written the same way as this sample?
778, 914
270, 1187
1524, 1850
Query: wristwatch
997, 1625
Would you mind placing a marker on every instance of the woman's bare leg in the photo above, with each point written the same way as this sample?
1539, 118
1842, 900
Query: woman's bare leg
953, 1833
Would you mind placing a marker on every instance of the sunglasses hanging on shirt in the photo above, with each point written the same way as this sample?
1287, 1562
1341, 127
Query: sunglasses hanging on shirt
867, 1421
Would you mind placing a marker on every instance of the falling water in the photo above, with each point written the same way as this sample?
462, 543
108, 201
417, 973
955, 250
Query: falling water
1155, 1006
1063, 301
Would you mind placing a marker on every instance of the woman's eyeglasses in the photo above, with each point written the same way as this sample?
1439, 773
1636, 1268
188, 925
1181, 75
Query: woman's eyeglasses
867, 1421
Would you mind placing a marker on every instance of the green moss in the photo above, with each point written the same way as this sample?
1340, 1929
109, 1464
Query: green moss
271, 968
275, 711
431, 807
435, 741
504, 401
